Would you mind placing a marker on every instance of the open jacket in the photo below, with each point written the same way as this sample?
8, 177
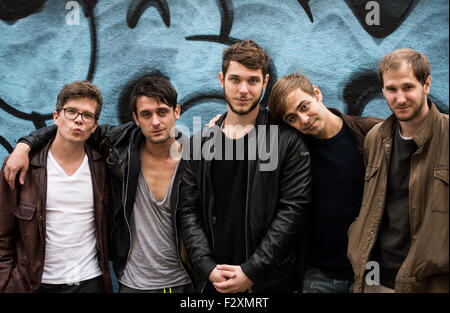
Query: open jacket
121, 144
425, 268
277, 206
358, 127
23, 223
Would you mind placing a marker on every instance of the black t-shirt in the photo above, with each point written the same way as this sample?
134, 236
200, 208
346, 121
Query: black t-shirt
394, 237
229, 180
337, 188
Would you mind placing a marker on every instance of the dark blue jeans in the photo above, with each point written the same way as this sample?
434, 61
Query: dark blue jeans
316, 281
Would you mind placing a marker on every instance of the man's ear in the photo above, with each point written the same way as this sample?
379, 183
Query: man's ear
55, 117
266, 80
427, 85
318, 93
177, 112
135, 119
221, 77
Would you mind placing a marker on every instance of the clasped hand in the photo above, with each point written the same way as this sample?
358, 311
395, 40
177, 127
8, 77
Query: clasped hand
229, 279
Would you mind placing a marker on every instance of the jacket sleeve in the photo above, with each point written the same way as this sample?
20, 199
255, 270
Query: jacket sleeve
102, 139
105, 136
8, 200
292, 212
190, 219
40, 137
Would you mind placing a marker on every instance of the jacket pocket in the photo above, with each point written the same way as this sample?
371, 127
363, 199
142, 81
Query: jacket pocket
24, 212
369, 186
27, 226
440, 190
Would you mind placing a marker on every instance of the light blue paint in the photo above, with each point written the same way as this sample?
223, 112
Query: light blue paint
40, 53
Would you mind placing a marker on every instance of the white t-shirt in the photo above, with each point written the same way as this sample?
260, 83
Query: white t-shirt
70, 245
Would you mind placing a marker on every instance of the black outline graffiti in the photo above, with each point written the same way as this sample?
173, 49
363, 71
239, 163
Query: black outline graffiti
88, 8
392, 15
226, 16
360, 90
196, 100
138, 7
305, 6
37, 118
22, 10
363, 87
357, 93
11, 11
6, 144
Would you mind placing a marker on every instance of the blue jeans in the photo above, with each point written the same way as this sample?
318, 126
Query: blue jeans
316, 281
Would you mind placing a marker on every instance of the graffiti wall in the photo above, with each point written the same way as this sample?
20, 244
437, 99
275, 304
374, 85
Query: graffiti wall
47, 43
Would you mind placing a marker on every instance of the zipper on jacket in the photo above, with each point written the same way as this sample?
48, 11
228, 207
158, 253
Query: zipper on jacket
125, 200
210, 206
176, 234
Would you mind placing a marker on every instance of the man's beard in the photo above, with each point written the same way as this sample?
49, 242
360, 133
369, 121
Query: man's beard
159, 141
250, 109
414, 114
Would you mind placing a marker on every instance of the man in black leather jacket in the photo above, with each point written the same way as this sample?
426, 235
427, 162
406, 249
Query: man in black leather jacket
241, 210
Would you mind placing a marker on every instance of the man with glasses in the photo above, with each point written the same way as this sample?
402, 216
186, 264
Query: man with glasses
53, 234
144, 181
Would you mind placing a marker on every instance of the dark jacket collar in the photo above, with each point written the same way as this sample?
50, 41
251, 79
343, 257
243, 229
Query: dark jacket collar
261, 118
423, 133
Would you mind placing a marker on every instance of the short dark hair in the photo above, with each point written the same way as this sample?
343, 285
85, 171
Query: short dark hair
393, 60
249, 54
154, 86
78, 90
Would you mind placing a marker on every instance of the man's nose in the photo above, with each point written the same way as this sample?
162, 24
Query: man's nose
304, 118
78, 119
243, 88
401, 97
155, 119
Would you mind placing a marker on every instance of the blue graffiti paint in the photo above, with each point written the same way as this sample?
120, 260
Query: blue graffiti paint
119, 41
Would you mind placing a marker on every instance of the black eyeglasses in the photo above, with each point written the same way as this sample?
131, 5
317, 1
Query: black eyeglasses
72, 114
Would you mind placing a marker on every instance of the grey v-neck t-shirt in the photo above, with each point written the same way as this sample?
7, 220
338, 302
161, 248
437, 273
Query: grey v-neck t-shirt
153, 262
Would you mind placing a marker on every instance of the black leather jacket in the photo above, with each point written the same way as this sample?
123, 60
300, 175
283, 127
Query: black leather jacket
121, 144
278, 202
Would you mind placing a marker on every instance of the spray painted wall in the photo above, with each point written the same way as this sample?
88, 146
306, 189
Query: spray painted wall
337, 44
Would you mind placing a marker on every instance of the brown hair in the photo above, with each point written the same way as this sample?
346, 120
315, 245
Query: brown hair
77, 90
249, 54
393, 60
282, 88
154, 86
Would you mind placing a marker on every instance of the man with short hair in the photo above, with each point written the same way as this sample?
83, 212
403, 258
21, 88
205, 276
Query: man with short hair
53, 228
145, 248
335, 141
403, 225
242, 208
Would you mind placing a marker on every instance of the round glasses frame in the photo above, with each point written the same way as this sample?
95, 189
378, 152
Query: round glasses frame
72, 115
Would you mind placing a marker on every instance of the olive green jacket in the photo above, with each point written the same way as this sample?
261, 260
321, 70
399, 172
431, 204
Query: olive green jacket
425, 268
